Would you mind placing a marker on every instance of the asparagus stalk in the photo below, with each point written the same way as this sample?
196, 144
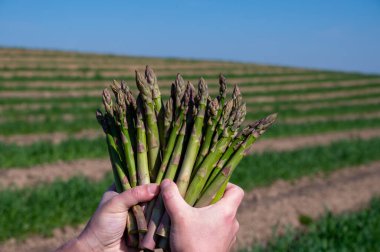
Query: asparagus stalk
226, 156
131, 112
125, 139
221, 191
173, 136
164, 227
236, 118
151, 78
195, 139
168, 118
212, 112
153, 139
142, 155
106, 122
255, 132
159, 208
237, 98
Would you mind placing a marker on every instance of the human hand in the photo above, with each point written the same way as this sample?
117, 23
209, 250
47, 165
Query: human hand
104, 231
211, 228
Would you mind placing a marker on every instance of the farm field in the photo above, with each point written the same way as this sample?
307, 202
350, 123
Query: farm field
322, 154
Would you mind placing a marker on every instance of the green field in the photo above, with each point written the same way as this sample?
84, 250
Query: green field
49, 92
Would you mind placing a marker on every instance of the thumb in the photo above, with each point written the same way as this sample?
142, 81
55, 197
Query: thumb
131, 197
174, 203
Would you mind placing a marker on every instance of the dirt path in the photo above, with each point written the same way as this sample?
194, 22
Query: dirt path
280, 205
96, 169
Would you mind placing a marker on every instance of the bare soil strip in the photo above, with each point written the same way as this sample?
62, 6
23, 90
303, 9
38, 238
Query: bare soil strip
55, 137
279, 205
96, 169
18, 177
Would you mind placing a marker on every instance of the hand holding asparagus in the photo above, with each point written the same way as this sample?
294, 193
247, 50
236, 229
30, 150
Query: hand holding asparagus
193, 140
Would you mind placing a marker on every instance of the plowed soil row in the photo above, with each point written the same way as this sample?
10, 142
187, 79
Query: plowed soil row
279, 205
96, 169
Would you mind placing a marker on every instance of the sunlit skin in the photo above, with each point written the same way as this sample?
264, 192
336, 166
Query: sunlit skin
192, 229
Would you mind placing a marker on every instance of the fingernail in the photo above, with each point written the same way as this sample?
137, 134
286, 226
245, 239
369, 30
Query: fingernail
165, 183
153, 188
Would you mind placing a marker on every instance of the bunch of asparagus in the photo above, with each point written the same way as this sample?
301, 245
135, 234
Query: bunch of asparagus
192, 139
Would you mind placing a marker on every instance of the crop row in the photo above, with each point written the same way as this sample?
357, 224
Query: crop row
83, 99
60, 86
57, 124
12, 155
48, 206
166, 77
265, 86
55, 111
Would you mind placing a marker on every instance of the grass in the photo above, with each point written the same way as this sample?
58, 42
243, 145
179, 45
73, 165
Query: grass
263, 169
359, 231
44, 207
46, 152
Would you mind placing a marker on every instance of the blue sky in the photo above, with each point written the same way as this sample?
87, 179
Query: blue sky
341, 35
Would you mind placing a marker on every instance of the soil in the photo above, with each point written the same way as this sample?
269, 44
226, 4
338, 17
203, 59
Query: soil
278, 205
55, 137
23, 177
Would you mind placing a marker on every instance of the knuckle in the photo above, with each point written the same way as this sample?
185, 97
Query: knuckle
114, 201
229, 213
136, 193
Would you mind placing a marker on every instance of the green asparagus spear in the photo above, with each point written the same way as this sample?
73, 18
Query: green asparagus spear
151, 78
125, 139
212, 111
153, 139
106, 122
236, 118
172, 137
142, 156
194, 141
255, 132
